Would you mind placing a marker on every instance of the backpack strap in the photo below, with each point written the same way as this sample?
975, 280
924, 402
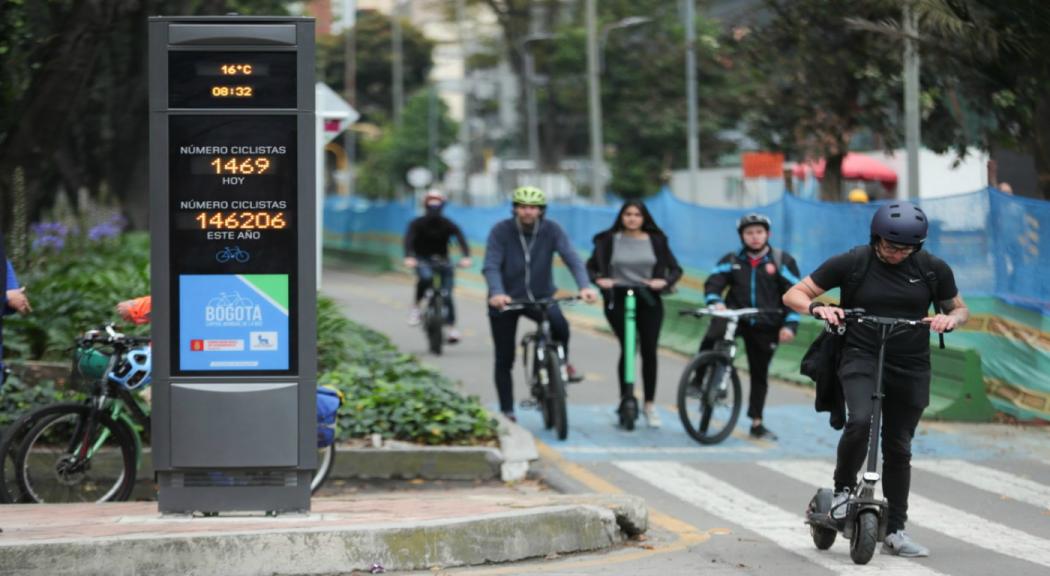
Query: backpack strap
924, 264
778, 258
861, 263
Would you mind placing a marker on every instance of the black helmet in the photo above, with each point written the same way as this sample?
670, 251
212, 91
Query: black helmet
752, 219
900, 223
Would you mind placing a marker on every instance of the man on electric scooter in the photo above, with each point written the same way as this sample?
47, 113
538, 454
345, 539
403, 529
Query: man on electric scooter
891, 277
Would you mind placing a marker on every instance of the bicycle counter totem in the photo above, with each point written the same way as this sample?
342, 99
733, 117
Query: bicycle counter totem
233, 262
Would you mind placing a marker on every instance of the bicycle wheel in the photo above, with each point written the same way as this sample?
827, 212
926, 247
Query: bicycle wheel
709, 398
556, 395
10, 442
64, 460
435, 324
325, 461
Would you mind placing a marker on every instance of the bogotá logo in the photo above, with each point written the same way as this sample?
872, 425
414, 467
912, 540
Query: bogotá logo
230, 309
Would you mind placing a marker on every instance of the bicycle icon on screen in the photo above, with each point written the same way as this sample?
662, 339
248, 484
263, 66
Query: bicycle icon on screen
232, 254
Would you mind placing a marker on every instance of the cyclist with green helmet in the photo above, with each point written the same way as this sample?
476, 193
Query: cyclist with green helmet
519, 257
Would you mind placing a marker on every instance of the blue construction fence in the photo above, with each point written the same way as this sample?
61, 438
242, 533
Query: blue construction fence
998, 245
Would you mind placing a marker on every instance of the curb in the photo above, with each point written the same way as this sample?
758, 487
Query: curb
503, 537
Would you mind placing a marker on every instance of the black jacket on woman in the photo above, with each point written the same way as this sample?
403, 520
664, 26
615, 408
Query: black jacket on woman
666, 268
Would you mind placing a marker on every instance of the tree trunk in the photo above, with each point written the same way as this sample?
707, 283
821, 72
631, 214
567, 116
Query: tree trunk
831, 185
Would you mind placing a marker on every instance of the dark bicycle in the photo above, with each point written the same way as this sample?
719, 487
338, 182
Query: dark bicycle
709, 392
438, 311
545, 364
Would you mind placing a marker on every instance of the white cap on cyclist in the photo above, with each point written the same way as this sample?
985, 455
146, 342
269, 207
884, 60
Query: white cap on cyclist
434, 197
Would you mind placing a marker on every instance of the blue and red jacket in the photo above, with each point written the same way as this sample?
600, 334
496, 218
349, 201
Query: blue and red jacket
743, 282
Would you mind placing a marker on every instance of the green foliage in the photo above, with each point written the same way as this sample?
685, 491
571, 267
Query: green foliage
17, 398
392, 394
643, 92
374, 74
74, 289
402, 147
388, 393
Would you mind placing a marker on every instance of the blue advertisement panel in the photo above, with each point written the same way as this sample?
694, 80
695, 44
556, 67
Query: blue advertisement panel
233, 322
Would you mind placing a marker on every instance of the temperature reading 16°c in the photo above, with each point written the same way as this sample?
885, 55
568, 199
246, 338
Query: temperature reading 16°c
236, 69
240, 165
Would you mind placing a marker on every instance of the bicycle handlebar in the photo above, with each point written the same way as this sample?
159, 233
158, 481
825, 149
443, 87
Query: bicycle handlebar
107, 335
538, 304
728, 313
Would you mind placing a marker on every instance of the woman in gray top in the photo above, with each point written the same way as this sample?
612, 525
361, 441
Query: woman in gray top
634, 253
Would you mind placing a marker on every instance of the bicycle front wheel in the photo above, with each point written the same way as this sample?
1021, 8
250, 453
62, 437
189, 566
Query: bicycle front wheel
64, 459
559, 414
12, 442
709, 398
325, 461
435, 324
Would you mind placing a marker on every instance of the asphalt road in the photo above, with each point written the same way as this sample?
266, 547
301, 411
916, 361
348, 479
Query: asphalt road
980, 493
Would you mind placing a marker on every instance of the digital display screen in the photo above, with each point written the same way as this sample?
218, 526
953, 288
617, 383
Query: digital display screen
231, 79
234, 248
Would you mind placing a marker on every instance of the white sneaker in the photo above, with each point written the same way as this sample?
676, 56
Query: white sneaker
652, 417
838, 505
413, 317
900, 544
452, 335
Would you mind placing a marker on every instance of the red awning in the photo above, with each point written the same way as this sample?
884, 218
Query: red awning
854, 167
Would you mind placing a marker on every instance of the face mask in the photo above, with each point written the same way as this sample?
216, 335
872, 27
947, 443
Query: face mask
434, 210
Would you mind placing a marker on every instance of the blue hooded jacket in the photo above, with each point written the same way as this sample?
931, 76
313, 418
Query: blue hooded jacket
519, 263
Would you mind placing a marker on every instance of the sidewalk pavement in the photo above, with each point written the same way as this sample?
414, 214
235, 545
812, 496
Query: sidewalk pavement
396, 530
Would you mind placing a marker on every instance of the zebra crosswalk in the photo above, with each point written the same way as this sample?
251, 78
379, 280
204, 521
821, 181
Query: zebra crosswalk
988, 529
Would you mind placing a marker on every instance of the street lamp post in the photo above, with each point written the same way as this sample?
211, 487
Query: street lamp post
911, 100
397, 62
530, 96
690, 91
595, 66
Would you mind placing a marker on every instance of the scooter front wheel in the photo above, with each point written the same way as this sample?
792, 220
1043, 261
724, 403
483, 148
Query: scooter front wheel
865, 537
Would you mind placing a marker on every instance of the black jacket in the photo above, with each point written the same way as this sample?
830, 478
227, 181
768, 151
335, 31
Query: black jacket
430, 235
762, 286
666, 267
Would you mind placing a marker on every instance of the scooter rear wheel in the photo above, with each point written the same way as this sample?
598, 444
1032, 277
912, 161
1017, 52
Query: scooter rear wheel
865, 537
823, 537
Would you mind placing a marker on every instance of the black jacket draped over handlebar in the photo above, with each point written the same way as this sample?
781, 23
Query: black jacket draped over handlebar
666, 267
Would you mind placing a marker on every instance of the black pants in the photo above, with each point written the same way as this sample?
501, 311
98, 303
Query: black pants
760, 341
649, 317
504, 326
900, 416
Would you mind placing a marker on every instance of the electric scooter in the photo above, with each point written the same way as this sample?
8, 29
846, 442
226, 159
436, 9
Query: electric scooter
628, 410
864, 522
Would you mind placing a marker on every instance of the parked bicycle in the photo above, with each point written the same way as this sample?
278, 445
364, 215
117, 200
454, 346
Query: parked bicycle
709, 391
90, 452
546, 368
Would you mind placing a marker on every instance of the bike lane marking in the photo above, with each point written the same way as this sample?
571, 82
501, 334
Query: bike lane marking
997, 482
934, 516
782, 528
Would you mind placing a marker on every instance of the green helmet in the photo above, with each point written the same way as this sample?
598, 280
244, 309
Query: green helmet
529, 196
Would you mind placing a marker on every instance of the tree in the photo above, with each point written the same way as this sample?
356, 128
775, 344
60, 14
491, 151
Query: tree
374, 73
402, 147
643, 92
811, 82
996, 53
73, 101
